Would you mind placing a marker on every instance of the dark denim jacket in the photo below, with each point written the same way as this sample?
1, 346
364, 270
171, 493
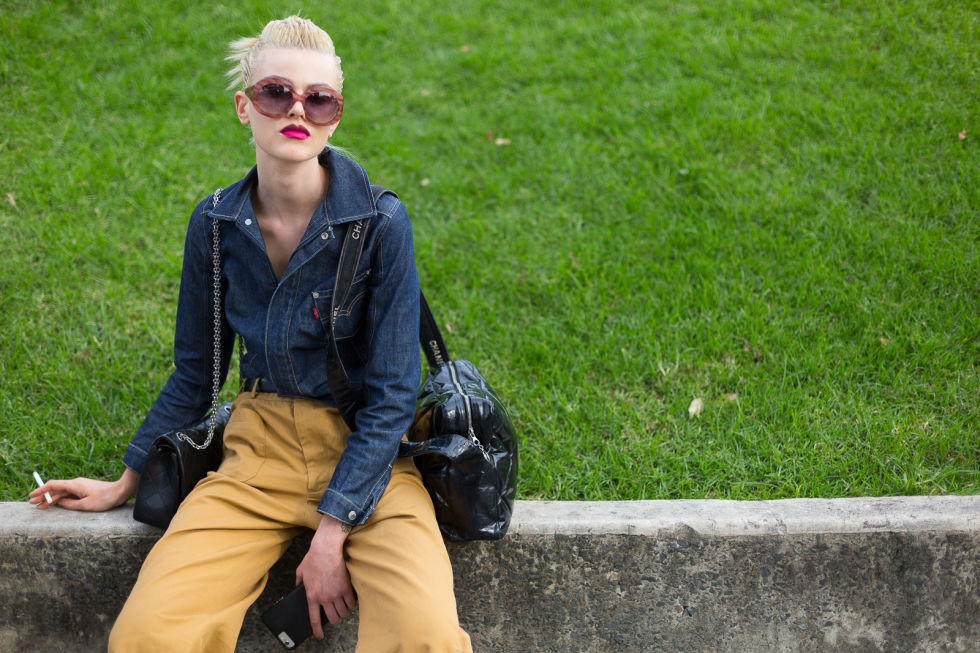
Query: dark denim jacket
283, 325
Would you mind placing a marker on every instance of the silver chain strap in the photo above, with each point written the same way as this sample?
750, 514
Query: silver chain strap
216, 294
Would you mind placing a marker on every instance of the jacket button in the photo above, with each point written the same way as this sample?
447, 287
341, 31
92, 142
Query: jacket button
316, 295
248, 221
324, 236
352, 515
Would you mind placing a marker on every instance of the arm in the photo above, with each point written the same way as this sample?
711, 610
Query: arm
390, 376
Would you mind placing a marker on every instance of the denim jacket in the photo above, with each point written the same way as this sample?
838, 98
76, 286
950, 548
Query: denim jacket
284, 325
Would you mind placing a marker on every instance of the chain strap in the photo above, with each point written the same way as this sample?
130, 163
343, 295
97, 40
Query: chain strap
216, 365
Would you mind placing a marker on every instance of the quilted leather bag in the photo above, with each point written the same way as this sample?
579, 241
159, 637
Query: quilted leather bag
173, 467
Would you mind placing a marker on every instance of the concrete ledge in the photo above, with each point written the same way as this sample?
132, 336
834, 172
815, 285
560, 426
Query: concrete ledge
888, 574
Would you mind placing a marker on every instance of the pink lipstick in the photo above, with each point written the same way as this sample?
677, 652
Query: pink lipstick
295, 131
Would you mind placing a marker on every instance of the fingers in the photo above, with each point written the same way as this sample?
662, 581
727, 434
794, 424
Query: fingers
333, 615
76, 504
334, 611
350, 601
314, 610
37, 498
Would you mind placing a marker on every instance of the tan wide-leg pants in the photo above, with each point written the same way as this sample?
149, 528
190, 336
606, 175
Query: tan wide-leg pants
213, 561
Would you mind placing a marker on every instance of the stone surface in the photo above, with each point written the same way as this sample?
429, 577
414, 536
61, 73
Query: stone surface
890, 574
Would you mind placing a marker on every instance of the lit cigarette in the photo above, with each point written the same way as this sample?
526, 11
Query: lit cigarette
47, 496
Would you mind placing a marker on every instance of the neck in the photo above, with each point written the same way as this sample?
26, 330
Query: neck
289, 190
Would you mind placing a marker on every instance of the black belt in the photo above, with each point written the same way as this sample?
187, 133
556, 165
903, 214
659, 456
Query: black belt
258, 385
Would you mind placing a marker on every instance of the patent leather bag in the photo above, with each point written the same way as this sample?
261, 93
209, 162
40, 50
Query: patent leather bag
179, 459
463, 444
461, 437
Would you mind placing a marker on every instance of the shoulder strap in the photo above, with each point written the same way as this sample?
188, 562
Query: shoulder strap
350, 254
344, 396
216, 319
430, 337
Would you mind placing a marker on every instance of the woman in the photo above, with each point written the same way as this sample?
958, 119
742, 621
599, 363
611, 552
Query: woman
290, 462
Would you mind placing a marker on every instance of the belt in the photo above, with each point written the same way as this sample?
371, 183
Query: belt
258, 385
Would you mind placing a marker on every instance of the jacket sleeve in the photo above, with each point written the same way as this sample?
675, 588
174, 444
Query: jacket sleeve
391, 374
186, 396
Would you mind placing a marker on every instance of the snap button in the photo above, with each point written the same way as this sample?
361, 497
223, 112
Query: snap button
324, 236
352, 515
248, 221
316, 295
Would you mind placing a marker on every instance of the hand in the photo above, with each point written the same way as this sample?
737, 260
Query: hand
324, 573
86, 493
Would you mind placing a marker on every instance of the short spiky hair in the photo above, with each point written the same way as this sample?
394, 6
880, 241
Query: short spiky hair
291, 32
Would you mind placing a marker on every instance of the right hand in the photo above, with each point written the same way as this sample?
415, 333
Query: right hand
324, 573
86, 493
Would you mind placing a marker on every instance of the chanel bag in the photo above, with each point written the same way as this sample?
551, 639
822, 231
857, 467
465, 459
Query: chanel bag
463, 443
173, 467
179, 459
461, 437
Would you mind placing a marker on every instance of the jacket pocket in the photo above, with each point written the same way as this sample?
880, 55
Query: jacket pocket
351, 316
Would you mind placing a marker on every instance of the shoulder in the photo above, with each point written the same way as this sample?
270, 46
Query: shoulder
223, 202
388, 203
392, 221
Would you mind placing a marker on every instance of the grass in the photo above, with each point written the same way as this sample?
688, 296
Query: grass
618, 207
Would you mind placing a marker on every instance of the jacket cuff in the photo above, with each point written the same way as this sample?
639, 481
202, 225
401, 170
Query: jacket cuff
135, 458
337, 506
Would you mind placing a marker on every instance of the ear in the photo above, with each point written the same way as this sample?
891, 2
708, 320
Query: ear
241, 107
332, 127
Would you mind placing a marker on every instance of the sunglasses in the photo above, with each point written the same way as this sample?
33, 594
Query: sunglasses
275, 96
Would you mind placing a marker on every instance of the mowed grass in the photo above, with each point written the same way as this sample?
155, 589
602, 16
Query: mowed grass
619, 207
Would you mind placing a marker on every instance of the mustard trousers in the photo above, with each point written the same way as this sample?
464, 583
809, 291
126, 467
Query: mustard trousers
213, 561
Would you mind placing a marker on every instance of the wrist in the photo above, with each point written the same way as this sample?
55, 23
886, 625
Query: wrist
126, 485
331, 533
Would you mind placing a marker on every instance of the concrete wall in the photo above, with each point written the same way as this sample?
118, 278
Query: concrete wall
890, 574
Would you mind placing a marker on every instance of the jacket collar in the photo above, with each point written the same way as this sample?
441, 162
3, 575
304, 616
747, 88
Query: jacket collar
348, 196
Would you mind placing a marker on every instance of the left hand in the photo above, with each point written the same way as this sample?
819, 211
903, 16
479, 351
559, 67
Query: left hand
324, 573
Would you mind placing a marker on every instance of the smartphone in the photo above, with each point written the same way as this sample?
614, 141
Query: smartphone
289, 618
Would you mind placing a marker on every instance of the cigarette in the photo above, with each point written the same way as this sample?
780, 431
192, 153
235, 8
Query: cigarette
47, 495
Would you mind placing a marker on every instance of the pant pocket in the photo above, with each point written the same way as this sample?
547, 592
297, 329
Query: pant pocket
245, 443
323, 436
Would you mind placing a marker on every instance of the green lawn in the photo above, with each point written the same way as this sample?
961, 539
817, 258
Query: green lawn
619, 207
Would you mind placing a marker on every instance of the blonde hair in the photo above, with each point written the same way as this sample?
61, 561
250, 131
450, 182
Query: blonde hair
291, 32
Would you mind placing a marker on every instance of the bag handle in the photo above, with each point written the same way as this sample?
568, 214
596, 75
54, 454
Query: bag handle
430, 337
350, 255
216, 340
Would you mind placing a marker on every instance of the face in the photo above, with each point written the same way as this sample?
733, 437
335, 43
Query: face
292, 136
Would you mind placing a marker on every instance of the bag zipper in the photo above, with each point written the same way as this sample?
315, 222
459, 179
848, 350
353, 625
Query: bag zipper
469, 410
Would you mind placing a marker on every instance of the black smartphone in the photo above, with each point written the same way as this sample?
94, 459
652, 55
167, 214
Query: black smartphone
289, 618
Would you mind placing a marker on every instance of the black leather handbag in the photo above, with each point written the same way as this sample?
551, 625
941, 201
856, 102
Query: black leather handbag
177, 460
461, 437
174, 466
463, 443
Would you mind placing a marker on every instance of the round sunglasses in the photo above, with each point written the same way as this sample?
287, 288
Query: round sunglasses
275, 96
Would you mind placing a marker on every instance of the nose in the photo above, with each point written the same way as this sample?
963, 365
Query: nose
297, 110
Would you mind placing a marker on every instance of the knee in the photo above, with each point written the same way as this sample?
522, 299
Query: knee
139, 630
420, 630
